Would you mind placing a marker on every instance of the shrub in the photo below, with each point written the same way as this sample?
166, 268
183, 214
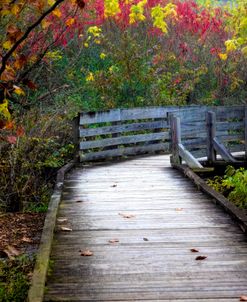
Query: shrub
29, 162
233, 185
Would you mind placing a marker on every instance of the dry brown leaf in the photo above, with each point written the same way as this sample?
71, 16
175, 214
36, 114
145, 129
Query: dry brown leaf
12, 252
201, 258
66, 229
243, 298
113, 241
194, 250
126, 215
26, 239
86, 253
179, 209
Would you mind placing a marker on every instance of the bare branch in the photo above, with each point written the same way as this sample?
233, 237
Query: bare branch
26, 34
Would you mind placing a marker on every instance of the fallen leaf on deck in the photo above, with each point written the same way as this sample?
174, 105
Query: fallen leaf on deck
66, 229
86, 253
201, 257
194, 251
243, 298
145, 239
12, 252
179, 209
113, 241
113, 186
26, 239
126, 215
79, 201
62, 220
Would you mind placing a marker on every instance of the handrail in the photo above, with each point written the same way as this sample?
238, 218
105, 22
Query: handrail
179, 152
213, 144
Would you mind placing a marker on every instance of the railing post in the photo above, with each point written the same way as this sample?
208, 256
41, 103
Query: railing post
211, 132
76, 135
175, 138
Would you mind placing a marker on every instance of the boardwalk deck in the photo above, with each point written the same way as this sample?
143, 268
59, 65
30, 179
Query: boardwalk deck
153, 260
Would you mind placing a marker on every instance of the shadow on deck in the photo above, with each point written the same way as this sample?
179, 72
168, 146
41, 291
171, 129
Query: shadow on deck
157, 216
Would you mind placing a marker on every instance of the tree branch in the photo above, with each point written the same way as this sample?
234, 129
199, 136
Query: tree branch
26, 34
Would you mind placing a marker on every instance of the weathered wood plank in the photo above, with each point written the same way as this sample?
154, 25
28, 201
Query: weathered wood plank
124, 151
115, 115
87, 132
211, 133
152, 260
122, 140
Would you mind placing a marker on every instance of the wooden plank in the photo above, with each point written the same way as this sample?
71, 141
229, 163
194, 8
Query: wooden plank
175, 138
76, 137
211, 133
229, 112
124, 151
122, 140
223, 152
227, 126
123, 128
199, 142
137, 113
152, 260
115, 115
195, 114
231, 137
188, 157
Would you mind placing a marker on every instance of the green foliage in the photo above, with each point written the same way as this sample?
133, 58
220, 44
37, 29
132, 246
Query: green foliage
29, 166
14, 281
233, 185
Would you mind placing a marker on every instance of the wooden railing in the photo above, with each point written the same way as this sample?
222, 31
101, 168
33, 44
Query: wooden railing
122, 132
208, 132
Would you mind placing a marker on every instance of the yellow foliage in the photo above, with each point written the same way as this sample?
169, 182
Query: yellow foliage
70, 21
94, 30
57, 12
45, 24
230, 45
7, 45
18, 90
111, 8
137, 12
4, 109
5, 12
90, 77
159, 14
51, 2
15, 9
54, 55
223, 56
102, 56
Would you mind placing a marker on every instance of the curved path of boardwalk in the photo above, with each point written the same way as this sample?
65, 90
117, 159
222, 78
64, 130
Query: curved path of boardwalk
157, 216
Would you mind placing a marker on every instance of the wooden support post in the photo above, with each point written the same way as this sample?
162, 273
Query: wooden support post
245, 131
175, 139
211, 133
76, 135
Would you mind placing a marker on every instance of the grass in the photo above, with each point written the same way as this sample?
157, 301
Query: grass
15, 278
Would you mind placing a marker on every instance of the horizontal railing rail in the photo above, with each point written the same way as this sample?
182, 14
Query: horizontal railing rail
206, 133
123, 132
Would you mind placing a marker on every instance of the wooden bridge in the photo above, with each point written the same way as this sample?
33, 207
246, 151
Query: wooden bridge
136, 229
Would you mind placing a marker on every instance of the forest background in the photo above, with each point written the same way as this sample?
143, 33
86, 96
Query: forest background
62, 57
